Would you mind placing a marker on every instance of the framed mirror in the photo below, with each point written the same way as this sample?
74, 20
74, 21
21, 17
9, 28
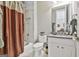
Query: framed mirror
60, 19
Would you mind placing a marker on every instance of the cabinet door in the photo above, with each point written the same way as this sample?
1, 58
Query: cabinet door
67, 51
54, 50
77, 50
60, 50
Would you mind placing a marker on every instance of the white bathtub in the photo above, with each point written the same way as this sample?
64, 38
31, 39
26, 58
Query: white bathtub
28, 51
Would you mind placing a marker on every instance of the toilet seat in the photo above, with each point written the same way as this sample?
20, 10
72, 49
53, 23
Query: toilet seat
38, 45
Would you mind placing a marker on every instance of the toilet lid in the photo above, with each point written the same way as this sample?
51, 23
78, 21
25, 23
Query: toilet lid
38, 45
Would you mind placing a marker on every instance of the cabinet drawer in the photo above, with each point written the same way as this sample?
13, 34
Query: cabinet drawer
61, 40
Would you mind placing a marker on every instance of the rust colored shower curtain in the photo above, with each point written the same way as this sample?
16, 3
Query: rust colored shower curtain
13, 31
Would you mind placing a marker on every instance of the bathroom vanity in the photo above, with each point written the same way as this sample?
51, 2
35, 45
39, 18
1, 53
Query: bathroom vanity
61, 46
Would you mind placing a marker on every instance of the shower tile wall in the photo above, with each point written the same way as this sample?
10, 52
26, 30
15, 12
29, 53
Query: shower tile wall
29, 18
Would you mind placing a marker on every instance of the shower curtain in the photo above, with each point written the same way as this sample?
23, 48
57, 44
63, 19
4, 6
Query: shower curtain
13, 28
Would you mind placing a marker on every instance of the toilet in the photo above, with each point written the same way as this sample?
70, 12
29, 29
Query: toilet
38, 49
39, 45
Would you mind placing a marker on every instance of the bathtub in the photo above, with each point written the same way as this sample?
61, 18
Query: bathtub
28, 51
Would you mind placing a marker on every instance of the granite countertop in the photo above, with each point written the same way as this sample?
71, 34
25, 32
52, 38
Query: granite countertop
60, 36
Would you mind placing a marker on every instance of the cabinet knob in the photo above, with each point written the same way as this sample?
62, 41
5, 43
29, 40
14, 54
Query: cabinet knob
62, 47
57, 46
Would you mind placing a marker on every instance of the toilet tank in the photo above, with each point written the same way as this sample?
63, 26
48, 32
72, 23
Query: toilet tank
43, 38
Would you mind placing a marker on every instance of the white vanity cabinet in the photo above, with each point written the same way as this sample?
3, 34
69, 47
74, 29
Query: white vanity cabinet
77, 48
59, 46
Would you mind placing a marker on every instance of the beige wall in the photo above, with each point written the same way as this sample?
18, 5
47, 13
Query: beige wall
44, 16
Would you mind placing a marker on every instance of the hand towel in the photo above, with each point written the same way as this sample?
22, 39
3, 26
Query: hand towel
1, 37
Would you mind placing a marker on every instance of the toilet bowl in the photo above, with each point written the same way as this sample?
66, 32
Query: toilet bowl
38, 49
